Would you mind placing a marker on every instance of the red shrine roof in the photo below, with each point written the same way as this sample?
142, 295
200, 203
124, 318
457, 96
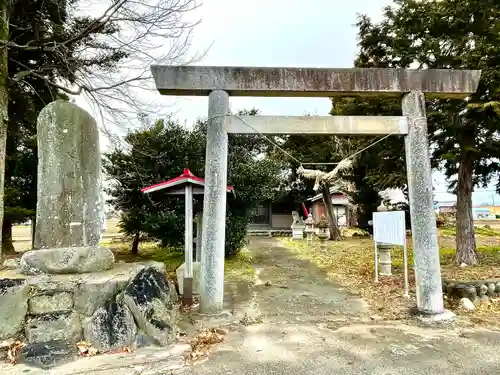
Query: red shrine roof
185, 178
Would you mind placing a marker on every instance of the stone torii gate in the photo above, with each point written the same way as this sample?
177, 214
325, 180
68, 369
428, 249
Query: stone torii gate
218, 83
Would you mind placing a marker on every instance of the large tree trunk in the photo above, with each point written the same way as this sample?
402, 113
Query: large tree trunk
466, 240
4, 101
7, 244
135, 244
327, 201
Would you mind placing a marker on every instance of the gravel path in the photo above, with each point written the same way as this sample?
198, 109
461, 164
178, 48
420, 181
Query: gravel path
309, 325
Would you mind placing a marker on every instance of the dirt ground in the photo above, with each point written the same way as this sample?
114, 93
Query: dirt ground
288, 289
351, 263
292, 320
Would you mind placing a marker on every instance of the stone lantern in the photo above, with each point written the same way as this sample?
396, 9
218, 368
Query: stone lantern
384, 251
382, 208
309, 222
322, 226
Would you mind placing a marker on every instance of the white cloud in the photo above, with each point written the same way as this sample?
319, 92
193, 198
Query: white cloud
272, 33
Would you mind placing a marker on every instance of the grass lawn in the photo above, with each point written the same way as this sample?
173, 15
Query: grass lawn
350, 262
238, 266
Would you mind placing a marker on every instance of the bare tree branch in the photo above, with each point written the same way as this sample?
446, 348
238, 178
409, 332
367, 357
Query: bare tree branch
97, 23
108, 56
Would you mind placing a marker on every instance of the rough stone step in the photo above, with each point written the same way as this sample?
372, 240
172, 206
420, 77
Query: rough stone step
111, 327
50, 302
60, 326
14, 294
48, 354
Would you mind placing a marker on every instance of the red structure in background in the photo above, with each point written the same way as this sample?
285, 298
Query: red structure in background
306, 214
186, 184
187, 177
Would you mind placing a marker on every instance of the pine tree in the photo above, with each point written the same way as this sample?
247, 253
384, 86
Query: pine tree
447, 34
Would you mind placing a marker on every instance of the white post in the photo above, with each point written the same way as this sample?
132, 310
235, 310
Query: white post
187, 293
199, 226
405, 259
214, 206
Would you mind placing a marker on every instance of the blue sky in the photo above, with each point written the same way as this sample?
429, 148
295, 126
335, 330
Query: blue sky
316, 33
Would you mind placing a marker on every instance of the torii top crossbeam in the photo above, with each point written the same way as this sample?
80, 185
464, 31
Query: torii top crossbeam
312, 82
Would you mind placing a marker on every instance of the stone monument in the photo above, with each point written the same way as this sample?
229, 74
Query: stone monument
69, 220
298, 226
69, 289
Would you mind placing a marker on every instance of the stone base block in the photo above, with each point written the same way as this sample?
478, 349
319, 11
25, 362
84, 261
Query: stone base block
153, 303
67, 260
111, 327
297, 234
126, 306
14, 294
48, 354
50, 303
60, 326
196, 277
444, 317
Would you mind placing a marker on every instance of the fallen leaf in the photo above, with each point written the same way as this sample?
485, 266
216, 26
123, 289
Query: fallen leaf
85, 349
13, 352
125, 349
205, 340
247, 320
83, 346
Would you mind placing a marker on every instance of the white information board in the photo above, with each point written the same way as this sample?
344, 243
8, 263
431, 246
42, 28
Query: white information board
389, 227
